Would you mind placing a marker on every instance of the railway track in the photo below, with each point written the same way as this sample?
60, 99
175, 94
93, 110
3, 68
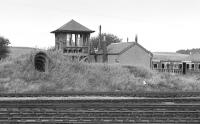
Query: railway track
113, 94
63, 110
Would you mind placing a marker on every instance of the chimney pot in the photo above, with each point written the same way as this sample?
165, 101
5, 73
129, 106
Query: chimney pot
136, 38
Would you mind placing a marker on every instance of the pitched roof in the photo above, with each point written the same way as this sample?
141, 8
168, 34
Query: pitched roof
169, 56
193, 57
73, 27
119, 48
116, 48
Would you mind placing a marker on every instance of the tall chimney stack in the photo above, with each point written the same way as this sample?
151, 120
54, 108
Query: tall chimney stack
136, 38
102, 45
100, 42
104, 49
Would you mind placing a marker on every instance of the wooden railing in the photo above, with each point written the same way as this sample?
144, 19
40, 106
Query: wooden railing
75, 50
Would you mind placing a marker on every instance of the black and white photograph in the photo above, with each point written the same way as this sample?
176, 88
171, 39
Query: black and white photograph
99, 61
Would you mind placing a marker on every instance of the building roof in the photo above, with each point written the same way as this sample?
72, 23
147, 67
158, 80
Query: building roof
193, 57
116, 48
73, 27
169, 56
119, 48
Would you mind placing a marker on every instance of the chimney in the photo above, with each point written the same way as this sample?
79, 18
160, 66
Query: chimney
100, 43
136, 38
104, 49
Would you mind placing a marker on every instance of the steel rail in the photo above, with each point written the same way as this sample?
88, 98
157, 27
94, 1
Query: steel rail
116, 93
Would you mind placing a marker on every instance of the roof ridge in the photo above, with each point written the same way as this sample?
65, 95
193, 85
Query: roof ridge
119, 48
121, 42
73, 26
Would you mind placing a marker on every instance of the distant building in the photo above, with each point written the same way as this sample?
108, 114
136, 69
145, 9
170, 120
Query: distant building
176, 62
73, 39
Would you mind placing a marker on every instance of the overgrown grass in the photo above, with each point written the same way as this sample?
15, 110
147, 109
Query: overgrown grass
19, 75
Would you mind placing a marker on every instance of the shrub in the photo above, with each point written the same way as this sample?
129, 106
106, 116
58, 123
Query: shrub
19, 75
140, 71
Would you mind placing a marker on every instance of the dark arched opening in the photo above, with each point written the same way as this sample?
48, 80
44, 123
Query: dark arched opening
40, 61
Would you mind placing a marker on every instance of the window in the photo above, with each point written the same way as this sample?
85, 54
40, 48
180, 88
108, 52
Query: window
188, 66
79, 42
180, 66
73, 40
192, 66
68, 40
155, 66
175, 66
163, 66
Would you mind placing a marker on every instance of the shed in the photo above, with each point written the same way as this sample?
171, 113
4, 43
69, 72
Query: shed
129, 53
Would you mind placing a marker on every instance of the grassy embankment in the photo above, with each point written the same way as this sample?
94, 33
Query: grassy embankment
19, 75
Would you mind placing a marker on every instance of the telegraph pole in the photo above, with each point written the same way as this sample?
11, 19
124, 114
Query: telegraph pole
104, 49
100, 42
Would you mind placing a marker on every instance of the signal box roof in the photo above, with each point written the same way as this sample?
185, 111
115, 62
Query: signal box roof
73, 27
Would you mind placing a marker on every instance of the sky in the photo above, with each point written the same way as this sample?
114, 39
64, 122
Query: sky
161, 25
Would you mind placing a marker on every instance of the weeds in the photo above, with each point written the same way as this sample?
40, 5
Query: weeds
19, 75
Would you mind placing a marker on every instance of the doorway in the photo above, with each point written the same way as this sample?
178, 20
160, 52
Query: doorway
184, 67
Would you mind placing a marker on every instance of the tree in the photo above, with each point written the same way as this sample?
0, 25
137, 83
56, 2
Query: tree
109, 38
4, 47
189, 51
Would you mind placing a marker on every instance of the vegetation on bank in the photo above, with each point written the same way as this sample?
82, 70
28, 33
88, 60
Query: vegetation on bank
19, 75
189, 51
4, 51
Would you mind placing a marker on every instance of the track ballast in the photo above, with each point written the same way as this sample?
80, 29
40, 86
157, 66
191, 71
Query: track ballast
96, 110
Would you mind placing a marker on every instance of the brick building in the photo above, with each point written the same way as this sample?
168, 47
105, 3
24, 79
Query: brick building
129, 53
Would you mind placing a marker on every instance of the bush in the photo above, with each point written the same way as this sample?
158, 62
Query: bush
140, 71
19, 75
4, 47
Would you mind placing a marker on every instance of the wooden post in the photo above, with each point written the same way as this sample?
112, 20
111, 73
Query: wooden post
75, 40
70, 40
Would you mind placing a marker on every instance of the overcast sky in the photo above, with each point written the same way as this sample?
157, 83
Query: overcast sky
161, 25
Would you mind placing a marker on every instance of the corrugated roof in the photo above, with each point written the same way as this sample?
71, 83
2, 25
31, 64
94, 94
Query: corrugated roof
118, 48
169, 56
73, 26
193, 57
